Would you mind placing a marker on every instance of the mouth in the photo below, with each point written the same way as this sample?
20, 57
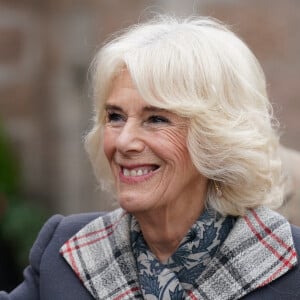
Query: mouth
138, 171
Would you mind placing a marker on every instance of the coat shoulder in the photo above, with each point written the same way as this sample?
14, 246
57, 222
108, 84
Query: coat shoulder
53, 268
286, 287
61, 227
70, 225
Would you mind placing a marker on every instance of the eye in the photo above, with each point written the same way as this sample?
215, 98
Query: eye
158, 119
114, 117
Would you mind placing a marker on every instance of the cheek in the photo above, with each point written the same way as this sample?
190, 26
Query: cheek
108, 142
173, 143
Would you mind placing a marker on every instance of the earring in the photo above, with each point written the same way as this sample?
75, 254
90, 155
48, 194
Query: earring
218, 189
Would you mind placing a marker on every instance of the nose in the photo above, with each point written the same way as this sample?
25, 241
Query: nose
130, 139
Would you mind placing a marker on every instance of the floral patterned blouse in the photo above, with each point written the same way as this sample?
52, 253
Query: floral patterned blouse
174, 278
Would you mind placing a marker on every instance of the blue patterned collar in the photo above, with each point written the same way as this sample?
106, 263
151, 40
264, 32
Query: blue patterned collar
175, 278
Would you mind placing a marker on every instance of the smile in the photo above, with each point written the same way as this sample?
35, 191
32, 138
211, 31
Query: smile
138, 171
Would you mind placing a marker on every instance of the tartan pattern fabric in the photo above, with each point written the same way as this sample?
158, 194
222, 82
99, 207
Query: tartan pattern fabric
258, 250
100, 255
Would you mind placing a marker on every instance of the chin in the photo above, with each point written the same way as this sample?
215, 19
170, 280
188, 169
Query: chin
133, 204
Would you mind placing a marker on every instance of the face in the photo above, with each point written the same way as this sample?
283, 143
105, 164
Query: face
147, 152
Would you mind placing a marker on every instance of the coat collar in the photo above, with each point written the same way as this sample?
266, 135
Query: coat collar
100, 254
258, 250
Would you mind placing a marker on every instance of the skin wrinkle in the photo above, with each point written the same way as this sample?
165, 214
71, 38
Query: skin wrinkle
175, 187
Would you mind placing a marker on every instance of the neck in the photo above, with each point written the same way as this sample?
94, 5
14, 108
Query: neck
163, 229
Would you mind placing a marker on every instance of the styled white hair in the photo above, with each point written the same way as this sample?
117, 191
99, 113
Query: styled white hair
198, 68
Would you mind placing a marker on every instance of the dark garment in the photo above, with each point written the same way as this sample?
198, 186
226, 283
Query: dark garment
50, 277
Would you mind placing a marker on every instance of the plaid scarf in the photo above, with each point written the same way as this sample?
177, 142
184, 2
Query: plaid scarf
175, 278
258, 250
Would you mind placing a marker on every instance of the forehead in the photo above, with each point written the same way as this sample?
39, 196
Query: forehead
122, 81
124, 96
123, 93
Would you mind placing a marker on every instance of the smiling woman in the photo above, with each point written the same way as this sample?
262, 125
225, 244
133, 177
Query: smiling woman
218, 85
153, 172
184, 137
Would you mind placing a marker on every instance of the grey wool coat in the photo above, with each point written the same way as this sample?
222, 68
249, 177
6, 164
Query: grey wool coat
88, 256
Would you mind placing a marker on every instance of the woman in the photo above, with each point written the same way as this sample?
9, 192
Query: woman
184, 123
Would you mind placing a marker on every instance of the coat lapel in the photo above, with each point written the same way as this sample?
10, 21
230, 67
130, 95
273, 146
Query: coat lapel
100, 254
258, 250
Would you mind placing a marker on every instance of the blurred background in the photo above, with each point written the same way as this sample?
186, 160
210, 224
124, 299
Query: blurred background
46, 47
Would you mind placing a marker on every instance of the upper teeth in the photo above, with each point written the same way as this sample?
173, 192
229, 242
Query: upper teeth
135, 172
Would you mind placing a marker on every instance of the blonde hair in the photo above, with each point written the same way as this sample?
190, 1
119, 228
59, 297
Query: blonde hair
198, 68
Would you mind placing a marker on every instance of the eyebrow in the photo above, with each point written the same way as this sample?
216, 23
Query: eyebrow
148, 108
113, 107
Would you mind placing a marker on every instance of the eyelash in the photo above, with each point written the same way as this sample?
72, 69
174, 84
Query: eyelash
114, 117
158, 119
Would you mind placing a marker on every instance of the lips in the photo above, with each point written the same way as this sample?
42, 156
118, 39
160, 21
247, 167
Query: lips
138, 170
